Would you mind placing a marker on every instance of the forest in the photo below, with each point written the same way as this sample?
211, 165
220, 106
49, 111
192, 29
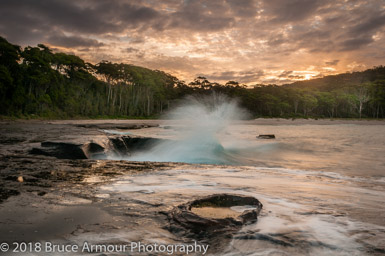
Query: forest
36, 82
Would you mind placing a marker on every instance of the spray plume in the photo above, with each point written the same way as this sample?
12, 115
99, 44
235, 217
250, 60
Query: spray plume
201, 121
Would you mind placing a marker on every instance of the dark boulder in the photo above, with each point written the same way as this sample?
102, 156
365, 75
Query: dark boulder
66, 150
266, 136
117, 145
60, 150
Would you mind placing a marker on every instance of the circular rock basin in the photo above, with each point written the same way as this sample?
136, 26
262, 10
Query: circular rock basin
215, 213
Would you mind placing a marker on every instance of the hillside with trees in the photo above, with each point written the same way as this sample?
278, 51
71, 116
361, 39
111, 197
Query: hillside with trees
36, 82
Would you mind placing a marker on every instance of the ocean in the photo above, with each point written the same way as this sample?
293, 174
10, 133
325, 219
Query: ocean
321, 183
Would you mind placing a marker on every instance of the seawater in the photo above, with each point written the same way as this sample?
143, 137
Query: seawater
348, 149
322, 186
304, 212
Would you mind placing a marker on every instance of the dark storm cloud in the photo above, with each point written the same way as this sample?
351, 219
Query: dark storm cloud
346, 28
45, 18
201, 16
355, 43
361, 33
375, 21
293, 10
52, 14
243, 8
42, 18
73, 41
202, 36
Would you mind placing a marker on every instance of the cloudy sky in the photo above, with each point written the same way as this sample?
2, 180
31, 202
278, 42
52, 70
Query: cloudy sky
250, 41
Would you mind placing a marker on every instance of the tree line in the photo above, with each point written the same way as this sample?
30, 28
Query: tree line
36, 82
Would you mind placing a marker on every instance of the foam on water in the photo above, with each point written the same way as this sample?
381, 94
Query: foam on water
116, 132
301, 215
310, 208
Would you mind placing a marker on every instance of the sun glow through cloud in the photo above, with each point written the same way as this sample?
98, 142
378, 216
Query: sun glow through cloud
248, 41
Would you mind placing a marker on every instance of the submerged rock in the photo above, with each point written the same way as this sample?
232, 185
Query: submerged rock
193, 218
266, 136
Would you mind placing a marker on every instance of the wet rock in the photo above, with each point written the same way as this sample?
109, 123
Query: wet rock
118, 145
6, 193
266, 136
11, 140
60, 150
41, 193
199, 227
117, 126
93, 150
10, 177
129, 144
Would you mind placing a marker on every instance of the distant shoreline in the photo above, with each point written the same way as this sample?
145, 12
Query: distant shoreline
257, 121
319, 121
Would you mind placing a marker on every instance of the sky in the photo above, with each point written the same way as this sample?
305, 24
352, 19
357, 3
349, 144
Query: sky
249, 41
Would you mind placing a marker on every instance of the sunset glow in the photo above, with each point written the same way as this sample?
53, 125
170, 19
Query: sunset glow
250, 41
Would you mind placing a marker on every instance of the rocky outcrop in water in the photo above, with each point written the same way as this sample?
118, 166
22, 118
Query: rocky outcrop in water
129, 144
266, 136
117, 145
60, 150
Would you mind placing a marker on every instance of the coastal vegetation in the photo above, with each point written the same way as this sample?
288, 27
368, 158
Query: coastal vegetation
37, 82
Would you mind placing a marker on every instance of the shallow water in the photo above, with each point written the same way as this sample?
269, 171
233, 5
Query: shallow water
215, 212
322, 186
303, 214
356, 150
